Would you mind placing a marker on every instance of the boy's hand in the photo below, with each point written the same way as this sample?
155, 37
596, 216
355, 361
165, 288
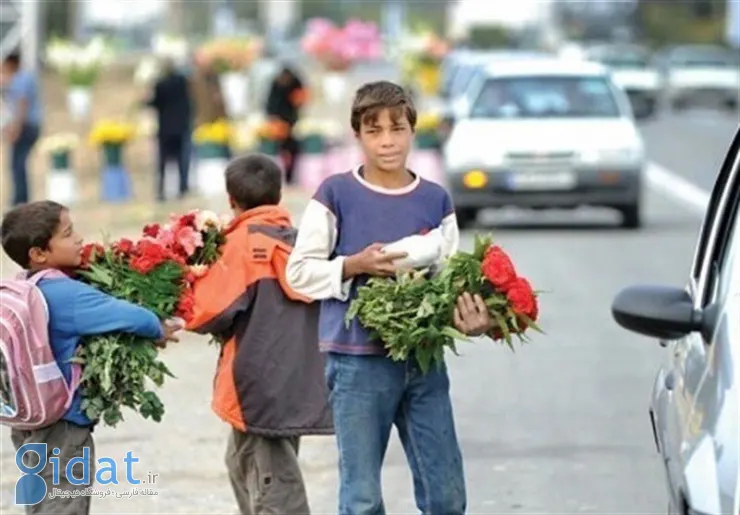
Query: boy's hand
169, 331
372, 261
471, 315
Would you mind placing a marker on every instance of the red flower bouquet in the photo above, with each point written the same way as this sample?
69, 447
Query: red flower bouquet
412, 314
156, 272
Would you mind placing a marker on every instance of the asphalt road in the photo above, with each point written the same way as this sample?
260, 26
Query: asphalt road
560, 426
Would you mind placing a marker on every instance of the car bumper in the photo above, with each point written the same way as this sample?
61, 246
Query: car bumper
682, 92
611, 187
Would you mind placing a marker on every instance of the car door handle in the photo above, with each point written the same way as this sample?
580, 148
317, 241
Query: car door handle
670, 381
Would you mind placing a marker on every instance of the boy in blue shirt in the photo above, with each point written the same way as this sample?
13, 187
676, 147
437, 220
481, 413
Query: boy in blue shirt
339, 246
40, 236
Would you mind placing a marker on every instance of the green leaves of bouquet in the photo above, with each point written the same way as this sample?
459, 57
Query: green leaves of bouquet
412, 314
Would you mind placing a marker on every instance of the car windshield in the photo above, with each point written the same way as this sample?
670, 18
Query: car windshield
546, 97
462, 79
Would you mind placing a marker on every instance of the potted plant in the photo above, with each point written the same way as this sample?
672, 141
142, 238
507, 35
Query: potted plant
111, 137
60, 182
80, 66
427, 127
213, 142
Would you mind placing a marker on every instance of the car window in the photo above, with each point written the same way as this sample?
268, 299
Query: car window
717, 236
462, 79
546, 97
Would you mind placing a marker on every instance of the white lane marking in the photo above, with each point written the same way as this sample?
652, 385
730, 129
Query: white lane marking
672, 184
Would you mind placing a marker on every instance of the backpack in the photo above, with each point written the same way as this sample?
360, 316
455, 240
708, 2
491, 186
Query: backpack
33, 391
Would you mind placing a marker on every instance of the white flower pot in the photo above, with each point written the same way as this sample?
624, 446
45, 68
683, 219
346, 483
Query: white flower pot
209, 176
61, 186
335, 86
235, 90
78, 102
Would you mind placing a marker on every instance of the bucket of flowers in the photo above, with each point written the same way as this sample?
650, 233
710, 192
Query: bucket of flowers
111, 137
213, 142
61, 184
271, 134
315, 137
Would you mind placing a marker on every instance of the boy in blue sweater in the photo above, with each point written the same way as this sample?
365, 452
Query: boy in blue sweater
339, 246
39, 236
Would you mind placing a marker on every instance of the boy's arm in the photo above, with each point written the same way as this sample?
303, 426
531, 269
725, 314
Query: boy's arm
310, 272
96, 312
222, 294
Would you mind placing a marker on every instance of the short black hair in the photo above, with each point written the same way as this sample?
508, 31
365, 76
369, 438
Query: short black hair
373, 97
28, 226
254, 180
14, 58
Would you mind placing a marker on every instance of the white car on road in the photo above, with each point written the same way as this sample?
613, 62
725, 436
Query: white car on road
545, 133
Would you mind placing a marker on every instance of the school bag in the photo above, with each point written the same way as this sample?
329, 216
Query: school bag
33, 391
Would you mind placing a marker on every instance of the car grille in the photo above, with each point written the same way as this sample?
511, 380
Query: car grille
538, 160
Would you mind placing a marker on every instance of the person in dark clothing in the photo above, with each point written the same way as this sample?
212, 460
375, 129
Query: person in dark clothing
171, 100
284, 101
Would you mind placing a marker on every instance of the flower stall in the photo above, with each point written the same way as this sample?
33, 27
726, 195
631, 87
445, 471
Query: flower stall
423, 55
61, 183
315, 137
231, 58
80, 66
338, 48
213, 142
426, 159
111, 137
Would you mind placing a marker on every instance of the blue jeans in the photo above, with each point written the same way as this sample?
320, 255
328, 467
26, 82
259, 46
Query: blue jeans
371, 394
19, 153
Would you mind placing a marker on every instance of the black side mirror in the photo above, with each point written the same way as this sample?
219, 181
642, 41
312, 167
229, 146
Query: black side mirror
661, 312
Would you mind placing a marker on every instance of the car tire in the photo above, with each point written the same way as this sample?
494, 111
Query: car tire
631, 216
466, 217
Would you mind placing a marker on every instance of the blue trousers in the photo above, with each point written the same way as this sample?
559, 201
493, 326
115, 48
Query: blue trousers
371, 394
19, 153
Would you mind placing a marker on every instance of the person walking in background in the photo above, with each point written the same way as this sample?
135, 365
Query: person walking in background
171, 99
22, 130
284, 101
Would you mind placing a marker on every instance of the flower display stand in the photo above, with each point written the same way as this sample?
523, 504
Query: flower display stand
61, 183
116, 182
78, 102
427, 163
210, 166
235, 90
310, 169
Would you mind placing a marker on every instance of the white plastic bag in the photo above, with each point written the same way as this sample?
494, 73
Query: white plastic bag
423, 250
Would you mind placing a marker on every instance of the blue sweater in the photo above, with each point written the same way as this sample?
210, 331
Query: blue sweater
346, 215
77, 310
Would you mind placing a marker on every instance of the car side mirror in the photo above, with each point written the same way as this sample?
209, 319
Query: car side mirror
661, 312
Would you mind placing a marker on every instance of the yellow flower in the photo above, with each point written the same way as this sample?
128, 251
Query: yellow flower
428, 122
112, 132
219, 132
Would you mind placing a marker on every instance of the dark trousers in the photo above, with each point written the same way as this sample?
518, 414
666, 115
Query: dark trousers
290, 149
19, 153
174, 147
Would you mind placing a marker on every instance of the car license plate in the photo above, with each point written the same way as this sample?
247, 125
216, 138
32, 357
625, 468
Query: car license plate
543, 181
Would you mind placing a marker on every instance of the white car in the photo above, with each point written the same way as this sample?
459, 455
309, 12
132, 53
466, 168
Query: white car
545, 133
633, 71
695, 72
695, 404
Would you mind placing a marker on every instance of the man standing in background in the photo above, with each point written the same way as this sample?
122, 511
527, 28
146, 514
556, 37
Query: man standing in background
22, 99
171, 100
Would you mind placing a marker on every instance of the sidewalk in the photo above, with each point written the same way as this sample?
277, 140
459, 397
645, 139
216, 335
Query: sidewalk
187, 448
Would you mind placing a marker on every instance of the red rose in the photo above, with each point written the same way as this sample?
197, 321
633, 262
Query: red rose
186, 305
521, 297
151, 230
187, 220
123, 246
143, 264
91, 253
498, 268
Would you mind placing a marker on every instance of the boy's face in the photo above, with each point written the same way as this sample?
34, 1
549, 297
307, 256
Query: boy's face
386, 141
65, 248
